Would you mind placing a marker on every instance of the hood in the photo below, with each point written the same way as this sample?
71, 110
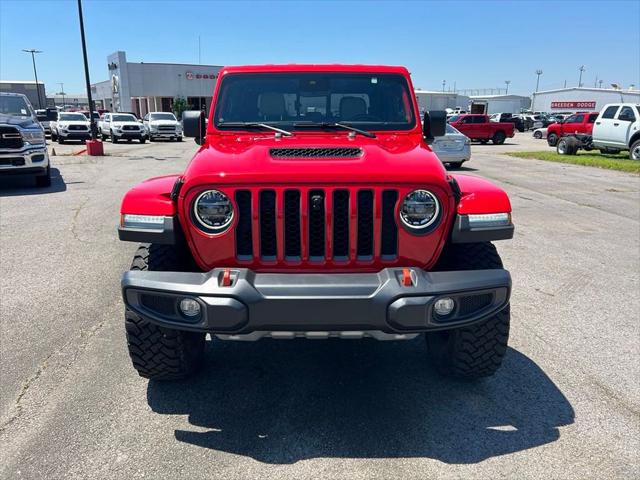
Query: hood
247, 159
24, 122
157, 123
120, 124
60, 123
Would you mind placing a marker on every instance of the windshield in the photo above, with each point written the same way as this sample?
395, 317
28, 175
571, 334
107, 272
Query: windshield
455, 118
15, 106
72, 117
365, 101
123, 118
452, 131
162, 116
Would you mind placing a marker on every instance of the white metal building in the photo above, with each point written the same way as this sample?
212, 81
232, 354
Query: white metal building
504, 103
37, 97
433, 100
581, 98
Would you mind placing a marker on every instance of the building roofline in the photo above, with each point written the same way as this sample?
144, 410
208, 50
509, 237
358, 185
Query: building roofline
588, 89
24, 82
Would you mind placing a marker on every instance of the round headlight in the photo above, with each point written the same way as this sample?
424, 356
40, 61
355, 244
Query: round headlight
213, 211
419, 209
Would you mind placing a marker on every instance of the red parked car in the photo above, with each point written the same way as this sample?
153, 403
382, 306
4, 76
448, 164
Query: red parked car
315, 208
481, 128
577, 123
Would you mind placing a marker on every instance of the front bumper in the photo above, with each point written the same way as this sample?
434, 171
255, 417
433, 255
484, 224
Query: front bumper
351, 302
27, 160
165, 134
74, 134
130, 134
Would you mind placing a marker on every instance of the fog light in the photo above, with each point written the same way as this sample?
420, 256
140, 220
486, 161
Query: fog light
444, 306
189, 307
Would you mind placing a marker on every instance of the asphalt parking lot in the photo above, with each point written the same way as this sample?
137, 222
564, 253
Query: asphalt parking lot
566, 403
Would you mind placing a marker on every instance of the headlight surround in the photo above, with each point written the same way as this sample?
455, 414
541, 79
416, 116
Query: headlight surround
419, 210
33, 136
213, 211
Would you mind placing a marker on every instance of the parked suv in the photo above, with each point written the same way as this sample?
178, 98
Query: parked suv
121, 126
162, 125
315, 208
22, 144
618, 128
70, 126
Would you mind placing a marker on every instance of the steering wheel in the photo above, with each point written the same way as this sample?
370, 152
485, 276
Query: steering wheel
364, 117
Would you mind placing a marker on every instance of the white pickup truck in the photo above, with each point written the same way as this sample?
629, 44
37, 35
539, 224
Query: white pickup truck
121, 126
616, 128
162, 125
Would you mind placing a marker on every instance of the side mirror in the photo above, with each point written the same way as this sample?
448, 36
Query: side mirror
194, 125
434, 125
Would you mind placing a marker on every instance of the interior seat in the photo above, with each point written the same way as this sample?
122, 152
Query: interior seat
271, 106
351, 107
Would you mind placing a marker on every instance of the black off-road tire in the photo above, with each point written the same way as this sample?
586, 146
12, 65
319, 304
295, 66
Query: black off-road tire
567, 146
455, 165
498, 138
44, 181
475, 351
160, 353
634, 150
552, 139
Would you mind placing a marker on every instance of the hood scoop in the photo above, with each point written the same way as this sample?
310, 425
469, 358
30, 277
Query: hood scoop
316, 152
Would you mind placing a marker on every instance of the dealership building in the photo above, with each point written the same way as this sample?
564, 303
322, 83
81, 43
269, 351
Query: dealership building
152, 87
581, 98
37, 96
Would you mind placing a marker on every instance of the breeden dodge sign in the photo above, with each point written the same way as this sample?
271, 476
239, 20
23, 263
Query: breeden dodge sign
590, 105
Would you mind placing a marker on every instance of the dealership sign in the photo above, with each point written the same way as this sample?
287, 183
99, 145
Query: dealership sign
191, 76
573, 104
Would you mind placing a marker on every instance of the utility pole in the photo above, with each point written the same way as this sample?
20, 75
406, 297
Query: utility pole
600, 83
582, 69
538, 73
61, 92
444, 82
507, 82
565, 84
33, 51
95, 147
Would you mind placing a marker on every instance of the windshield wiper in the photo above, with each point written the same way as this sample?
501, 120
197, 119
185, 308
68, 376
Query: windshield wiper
335, 125
255, 125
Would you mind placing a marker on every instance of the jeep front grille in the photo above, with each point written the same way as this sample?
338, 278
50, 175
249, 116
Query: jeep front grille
316, 152
316, 224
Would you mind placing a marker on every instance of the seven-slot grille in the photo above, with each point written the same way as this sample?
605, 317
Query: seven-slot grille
78, 127
130, 127
167, 128
316, 225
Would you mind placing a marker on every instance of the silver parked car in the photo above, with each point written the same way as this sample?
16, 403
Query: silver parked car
454, 148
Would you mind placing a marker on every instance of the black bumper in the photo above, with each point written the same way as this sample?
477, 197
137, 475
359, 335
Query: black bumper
130, 136
76, 136
316, 302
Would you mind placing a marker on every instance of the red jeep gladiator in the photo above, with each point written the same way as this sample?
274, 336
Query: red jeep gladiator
315, 208
481, 128
576, 123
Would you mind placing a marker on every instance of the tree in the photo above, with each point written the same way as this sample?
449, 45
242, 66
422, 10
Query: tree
179, 106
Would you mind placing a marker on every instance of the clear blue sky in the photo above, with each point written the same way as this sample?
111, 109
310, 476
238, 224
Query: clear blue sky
476, 44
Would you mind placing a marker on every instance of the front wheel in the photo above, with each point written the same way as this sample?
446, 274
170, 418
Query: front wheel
44, 181
537, 135
142, 140
552, 139
160, 353
498, 138
477, 350
455, 165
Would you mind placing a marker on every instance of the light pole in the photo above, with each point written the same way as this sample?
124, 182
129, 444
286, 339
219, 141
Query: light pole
507, 82
444, 82
600, 83
582, 69
538, 73
61, 92
33, 52
93, 147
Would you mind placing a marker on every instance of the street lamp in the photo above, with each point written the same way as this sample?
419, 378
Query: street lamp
33, 52
582, 69
538, 73
444, 82
62, 93
507, 82
93, 147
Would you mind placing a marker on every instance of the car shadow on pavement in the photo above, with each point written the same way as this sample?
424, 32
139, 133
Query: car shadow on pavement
16, 185
280, 401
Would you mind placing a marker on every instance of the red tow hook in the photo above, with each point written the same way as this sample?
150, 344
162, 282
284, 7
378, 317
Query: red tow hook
407, 281
226, 278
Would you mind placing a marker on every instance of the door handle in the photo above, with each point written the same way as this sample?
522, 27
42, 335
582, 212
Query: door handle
597, 123
616, 124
